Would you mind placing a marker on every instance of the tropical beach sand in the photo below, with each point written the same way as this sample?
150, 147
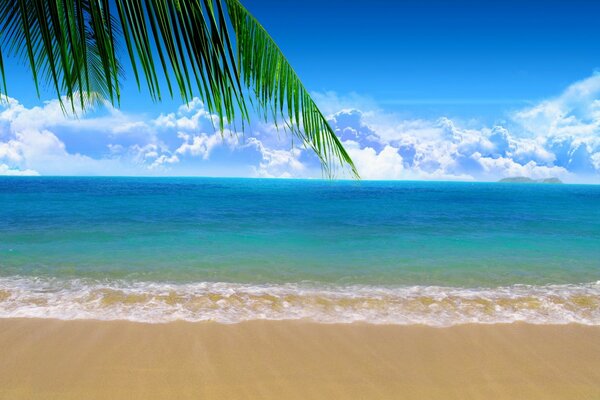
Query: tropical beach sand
51, 359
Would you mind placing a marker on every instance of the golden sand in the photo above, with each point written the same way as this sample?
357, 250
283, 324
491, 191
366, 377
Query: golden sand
49, 359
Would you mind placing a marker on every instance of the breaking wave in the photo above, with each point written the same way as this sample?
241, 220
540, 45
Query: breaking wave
157, 302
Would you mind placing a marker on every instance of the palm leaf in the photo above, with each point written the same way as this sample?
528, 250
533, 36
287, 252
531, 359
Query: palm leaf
213, 49
68, 44
280, 93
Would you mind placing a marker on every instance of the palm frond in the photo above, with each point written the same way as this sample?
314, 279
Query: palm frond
280, 93
73, 46
68, 44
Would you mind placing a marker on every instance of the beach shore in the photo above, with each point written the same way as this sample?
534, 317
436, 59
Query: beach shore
51, 359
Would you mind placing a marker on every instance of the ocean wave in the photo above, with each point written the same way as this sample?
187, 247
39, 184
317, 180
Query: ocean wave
157, 302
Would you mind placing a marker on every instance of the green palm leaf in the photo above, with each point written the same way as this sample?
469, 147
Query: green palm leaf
213, 49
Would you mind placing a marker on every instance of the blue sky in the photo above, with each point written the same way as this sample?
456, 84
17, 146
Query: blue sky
502, 88
427, 58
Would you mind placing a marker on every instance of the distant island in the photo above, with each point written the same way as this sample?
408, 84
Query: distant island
523, 179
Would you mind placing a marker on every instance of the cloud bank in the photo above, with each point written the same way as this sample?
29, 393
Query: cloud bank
558, 137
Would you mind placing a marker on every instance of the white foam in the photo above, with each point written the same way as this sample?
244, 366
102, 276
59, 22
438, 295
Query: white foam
155, 302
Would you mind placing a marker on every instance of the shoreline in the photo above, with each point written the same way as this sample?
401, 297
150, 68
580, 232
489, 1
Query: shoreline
230, 302
56, 359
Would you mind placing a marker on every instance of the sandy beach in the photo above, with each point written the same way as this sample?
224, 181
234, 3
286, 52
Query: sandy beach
51, 359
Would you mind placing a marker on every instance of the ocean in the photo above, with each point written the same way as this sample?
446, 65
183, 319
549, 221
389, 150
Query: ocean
229, 250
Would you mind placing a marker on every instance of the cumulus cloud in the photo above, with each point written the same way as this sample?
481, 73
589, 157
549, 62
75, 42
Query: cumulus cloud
7, 171
44, 140
203, 144
568, 126
29, 143
278, 163
386, 164
558, 137
443, 150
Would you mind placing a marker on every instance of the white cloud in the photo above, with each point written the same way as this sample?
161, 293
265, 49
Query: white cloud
29, 143
277, 163
46, 140
189, 117
442, 150
568, 126
556, 137
576, 112
7, 171
203, 144
385, 164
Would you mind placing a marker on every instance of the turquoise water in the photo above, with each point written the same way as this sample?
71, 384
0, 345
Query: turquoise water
158, 249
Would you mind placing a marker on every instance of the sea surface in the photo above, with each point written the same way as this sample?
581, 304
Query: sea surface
229, 250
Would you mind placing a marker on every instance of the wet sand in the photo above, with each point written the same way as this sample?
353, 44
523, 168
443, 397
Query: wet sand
50, 359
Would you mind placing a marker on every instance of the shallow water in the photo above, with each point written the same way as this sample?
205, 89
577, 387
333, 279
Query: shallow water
161, 249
